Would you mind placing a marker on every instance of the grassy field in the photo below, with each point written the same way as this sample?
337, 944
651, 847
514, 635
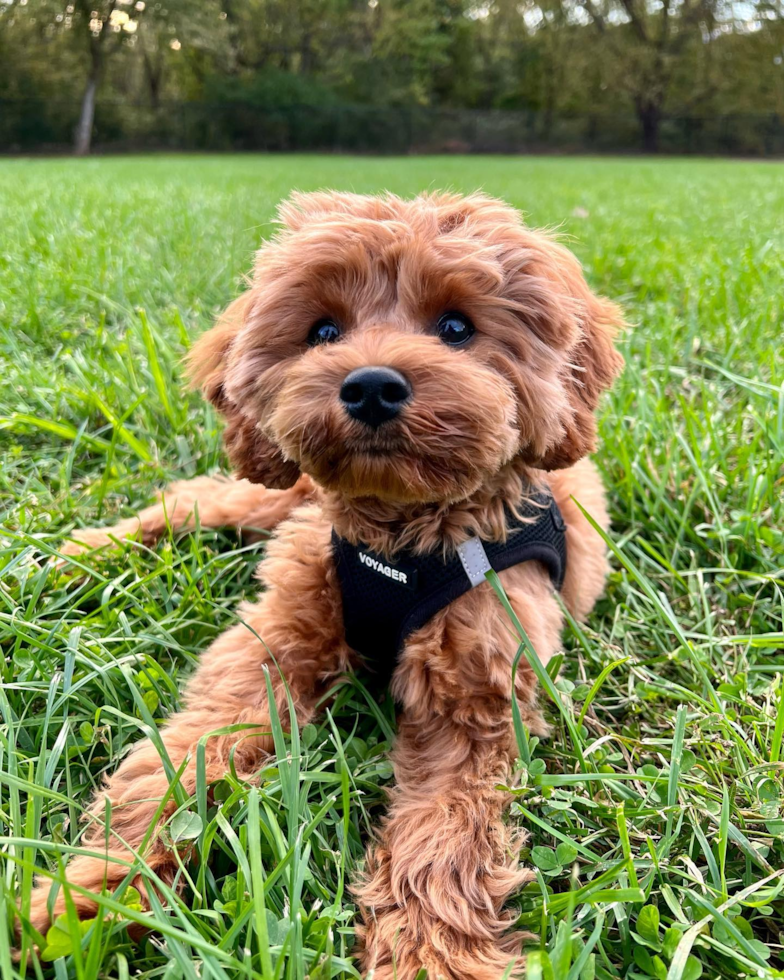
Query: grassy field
656, 813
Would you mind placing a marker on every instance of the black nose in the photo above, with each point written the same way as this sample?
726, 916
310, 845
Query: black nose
374, 394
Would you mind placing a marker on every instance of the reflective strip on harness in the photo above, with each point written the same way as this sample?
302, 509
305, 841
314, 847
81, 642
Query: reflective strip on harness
475, 561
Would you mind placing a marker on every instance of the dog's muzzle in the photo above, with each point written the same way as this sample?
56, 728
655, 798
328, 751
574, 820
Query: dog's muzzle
374, 395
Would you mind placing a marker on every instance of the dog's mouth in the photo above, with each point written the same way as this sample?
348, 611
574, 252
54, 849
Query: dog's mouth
377, 450
352, 450
391, 467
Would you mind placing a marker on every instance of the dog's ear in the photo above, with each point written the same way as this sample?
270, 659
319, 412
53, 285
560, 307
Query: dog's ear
252, 454
594, 365
581, 327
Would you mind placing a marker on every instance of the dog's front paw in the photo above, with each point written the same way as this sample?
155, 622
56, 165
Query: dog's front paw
90, 877
482, 962
399, 943
40, 915
85, 539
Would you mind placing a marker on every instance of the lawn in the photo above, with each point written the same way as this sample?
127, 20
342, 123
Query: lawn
655, 810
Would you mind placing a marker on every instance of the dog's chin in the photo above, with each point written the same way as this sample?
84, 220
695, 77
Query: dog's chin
395, 476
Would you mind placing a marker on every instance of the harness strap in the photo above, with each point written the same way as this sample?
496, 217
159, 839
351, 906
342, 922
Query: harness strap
385, 600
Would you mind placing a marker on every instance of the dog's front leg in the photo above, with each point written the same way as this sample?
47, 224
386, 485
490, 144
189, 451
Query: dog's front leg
445, 863
210, 501
228, 689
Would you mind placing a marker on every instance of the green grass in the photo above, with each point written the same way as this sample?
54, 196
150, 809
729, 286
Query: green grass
655, 809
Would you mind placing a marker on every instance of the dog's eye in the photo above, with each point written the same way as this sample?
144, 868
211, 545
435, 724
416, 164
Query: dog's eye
323, 332
455, 329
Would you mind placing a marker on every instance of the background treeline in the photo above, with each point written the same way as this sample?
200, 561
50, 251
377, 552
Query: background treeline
393, 74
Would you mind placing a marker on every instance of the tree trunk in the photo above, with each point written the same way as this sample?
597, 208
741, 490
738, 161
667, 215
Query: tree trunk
153, 71
649, 115
154, 84
84, 130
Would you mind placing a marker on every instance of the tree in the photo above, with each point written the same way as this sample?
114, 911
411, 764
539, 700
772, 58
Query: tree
176, 32
104, 25
645, 42
88, 35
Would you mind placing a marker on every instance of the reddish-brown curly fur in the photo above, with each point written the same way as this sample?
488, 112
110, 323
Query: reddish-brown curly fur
513, 408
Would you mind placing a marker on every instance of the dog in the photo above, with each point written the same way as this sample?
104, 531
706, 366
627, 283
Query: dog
406, 383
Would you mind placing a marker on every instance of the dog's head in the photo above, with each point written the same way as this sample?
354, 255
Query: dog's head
407, 350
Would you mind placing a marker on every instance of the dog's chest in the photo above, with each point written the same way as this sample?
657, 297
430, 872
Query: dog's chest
387, 598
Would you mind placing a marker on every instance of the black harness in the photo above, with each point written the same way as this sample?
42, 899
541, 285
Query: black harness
385, 600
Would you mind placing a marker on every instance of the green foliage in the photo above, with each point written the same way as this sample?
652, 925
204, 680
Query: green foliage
268, 90
60, 942
654, 809
622, 66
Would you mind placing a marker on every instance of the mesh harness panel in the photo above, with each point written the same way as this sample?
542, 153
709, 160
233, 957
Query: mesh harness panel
385, 600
